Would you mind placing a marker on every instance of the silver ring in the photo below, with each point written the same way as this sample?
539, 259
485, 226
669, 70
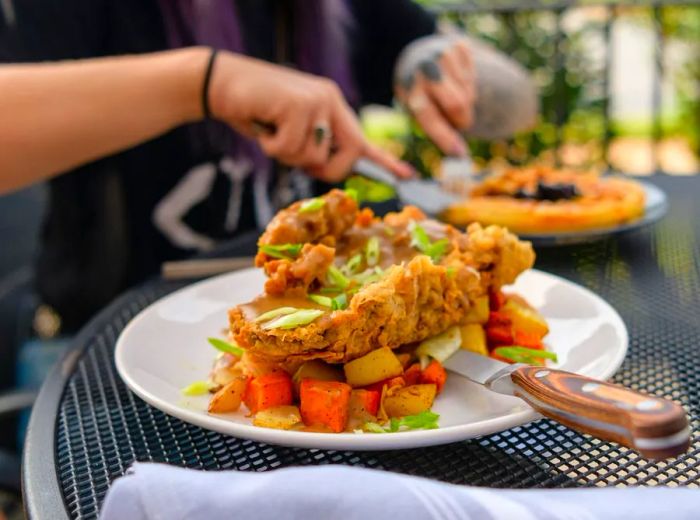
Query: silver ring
322, 131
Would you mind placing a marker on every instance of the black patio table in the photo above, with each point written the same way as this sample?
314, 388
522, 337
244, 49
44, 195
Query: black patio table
87, 428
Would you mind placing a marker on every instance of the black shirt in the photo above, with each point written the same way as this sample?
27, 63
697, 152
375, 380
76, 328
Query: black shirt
99, 236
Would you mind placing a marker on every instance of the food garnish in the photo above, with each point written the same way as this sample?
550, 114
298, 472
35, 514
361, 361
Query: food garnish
312, 205
336, 278
197, 388
225, 346
421, 241
295, 319
372, 251
423, 421
529, 356
275, 313
282, 251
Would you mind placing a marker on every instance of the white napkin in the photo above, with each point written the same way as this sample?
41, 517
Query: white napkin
157, 491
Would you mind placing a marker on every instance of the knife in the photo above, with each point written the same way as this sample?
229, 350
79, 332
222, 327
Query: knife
426, 194
656, 428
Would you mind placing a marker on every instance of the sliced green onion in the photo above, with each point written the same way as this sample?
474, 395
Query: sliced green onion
421, 241
451, 271
439, 347
275, 313
330, 290
312, 205
437, 249
373, 427
524, 355
369, 191
352, 265
337, 278
339, 303
369, 276
290, 321
419, 237
321, 300
225, 346
197, 388
426, 420
284, 251
352, 193
372, 251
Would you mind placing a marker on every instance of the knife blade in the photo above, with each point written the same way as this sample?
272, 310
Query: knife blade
657, 428
426, 194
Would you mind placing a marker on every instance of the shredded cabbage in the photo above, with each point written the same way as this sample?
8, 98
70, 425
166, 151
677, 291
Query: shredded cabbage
439, 347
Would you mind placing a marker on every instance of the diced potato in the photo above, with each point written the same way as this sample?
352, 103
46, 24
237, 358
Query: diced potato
377, 365
228, 398
278, 417
256, 366
363, 408
474, 338
479, 313
410, 400
318, 370
524, 318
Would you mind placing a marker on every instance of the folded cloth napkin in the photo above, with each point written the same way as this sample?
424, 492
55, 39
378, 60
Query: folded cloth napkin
158, 491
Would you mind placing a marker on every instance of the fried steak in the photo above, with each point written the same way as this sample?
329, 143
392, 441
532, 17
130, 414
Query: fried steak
405, 297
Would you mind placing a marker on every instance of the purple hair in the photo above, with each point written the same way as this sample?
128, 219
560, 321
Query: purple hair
320, 46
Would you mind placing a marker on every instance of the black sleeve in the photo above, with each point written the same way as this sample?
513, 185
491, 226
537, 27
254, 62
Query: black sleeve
381, 29
53, 30
48, 30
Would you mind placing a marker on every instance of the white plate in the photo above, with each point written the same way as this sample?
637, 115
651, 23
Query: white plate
164, 349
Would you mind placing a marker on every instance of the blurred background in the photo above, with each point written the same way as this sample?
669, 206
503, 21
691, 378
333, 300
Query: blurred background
619, 84
620, 89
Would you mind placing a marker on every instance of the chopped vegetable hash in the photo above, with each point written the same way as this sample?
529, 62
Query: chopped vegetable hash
359, 313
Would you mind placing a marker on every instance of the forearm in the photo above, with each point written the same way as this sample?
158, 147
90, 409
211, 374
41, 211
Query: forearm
59, 115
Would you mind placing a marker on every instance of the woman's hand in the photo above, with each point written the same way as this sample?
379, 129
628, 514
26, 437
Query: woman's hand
300, 119
435, 81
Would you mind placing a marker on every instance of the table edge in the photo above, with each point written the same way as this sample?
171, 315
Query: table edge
41, 491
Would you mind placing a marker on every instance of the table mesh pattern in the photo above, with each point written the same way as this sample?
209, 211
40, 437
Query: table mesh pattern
652, 277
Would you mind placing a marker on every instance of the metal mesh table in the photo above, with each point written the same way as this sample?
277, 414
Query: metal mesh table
87, 428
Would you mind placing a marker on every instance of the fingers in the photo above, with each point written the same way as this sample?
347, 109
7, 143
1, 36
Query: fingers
390, 162
460, 80
348, 142
316, 149
292, 130
425, 109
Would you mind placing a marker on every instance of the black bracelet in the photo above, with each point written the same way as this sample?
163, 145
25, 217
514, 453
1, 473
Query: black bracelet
205, 87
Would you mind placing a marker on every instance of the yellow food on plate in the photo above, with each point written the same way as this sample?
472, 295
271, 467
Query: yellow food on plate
409, 400
371, 368
474, 338
538, 199
278, 417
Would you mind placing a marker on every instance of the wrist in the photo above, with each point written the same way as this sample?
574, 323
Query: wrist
186, 77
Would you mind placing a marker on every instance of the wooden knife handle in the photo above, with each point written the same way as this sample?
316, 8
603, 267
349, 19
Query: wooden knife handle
657, 428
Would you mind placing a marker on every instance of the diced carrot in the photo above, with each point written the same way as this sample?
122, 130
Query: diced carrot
412, 374
367, 400
498, 319
268, 390
496, 300
435, 374
325, 403
529, 340
391, 382
498, 336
